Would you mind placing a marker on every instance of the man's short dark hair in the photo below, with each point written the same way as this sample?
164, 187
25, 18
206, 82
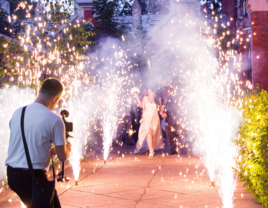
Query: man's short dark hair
51, 87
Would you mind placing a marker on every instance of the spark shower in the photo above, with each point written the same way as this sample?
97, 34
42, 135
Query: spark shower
205, 90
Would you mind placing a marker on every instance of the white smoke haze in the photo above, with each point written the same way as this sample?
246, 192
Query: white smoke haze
85, 104
110, 116
98, 103
182, 53
189, 58
10, 100
112, 78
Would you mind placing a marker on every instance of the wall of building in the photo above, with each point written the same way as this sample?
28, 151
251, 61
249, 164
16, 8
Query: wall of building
259, 21
258, 5
259, 42
85, 10
88, 15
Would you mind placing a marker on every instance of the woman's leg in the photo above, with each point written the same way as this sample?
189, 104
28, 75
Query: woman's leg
153, 142
166, 131
149, 140
154, 130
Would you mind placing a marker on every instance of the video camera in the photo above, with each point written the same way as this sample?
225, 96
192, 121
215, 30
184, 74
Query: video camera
68, 128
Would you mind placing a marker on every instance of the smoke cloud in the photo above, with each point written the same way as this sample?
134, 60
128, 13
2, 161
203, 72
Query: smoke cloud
10, 100
186, 56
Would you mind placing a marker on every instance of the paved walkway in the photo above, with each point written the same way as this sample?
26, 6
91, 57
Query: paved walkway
129, 180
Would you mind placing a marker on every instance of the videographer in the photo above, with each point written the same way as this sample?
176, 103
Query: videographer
42, 127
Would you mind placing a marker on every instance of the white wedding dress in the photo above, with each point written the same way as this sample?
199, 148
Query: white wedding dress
150, 119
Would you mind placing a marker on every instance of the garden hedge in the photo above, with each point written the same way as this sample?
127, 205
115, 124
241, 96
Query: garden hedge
252, 142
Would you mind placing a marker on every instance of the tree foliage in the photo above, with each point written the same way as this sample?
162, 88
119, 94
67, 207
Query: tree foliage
12, 24
18, 10
58, 32
143, 4
211, 5
6, 27
13, 56
105, 22
52, 43
126, 10
253, 146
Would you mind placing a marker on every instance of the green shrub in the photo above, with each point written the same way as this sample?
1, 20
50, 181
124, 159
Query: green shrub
252, 163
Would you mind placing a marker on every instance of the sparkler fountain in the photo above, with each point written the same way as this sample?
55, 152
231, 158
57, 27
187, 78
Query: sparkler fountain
204, 98
110, 120
112, 79
215, 122
80, 109
41, 43
205, 91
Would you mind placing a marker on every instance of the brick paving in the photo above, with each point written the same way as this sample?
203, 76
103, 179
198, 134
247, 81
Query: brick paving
135, 180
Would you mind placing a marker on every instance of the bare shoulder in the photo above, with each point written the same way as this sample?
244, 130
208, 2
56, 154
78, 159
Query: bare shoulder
145, 98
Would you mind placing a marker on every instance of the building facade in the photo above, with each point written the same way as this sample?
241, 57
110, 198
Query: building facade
85, 9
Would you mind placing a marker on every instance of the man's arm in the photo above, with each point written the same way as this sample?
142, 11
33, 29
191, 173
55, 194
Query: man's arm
63, 151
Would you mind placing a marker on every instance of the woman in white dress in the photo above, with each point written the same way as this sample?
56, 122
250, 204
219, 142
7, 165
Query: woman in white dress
150, 125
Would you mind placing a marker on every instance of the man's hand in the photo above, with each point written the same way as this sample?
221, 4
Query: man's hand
53, 151
69, 146
63, 151
164, 115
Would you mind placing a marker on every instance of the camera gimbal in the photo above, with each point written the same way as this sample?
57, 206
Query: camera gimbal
68, 128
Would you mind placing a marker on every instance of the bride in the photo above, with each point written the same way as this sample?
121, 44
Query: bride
150, 125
